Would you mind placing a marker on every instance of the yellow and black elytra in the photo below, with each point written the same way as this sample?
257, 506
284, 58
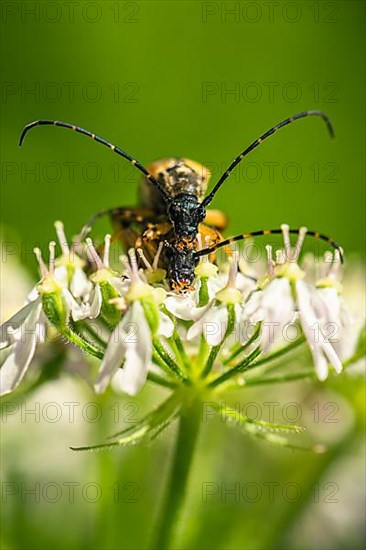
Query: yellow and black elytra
174, 207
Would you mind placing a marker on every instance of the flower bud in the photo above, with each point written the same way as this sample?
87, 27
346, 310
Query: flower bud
109, 310
53, 303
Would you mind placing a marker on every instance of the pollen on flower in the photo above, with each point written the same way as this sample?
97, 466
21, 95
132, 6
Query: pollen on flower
48, 284
138, 288
103, 272
206, 269
290, 270
229, 294
331, 272
68, 259
286, 260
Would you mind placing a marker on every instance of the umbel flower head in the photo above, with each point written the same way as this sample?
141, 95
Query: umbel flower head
223, 335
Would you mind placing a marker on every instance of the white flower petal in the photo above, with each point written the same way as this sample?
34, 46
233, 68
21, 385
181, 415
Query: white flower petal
134, 346
96, 302
138, 354
212, 324
166, 326
32, 296
195, 330
121, 284
329, 304
253, 305
214, 329
351, 327
80, 285
78, 311
322, 350
17, 362
113, 357
332, 356
275, 307
320, 362
16, 321
245, 284
184, 307
62, 276
83, 310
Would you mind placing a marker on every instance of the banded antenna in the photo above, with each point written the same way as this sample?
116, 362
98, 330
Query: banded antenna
261, 232
115, 149
258, 141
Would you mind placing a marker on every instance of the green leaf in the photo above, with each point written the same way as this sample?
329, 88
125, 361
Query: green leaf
268, 431
145, 430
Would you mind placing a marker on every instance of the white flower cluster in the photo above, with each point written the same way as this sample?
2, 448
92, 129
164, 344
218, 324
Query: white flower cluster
139, 328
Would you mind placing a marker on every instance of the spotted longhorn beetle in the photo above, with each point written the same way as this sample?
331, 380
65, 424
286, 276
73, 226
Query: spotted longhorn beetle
174, 207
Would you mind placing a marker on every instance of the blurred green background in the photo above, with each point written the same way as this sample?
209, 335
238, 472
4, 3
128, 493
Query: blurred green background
201, 80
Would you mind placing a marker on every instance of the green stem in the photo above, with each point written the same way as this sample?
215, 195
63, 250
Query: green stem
92, 332
160, 363
181, 350
153, 377
279, 353
296, 375
279, 379
81, 343
241, 348
242, 366
188, 430
176, 342
168, 360
210, 361
202, 353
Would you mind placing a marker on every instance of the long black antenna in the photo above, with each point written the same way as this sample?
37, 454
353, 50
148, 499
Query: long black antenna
258, 141
261, 232
115, 149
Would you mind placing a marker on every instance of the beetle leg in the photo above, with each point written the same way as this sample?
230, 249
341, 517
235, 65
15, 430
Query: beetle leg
156, 231
210, 238
122, 216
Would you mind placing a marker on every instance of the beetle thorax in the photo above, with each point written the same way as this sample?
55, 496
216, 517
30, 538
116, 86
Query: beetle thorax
186, 213
177, 176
